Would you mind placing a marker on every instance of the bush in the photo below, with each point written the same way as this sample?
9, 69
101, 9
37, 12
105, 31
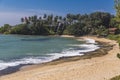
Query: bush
119, 44
118, 55
30, 30
115, 37
5, 28
115, 78
77, 29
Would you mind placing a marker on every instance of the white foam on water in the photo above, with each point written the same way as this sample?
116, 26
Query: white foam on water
92, 41
90, 46
4, 65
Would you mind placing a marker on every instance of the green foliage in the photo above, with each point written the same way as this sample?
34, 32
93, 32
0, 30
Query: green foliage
5, 28
77, 29
115, 37
29, 30
96, 23
115, 78
113, 22
20, 29
118, 55
100, 18
101, 31
117, 7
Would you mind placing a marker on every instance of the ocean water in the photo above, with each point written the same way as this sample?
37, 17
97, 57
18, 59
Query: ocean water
21, 49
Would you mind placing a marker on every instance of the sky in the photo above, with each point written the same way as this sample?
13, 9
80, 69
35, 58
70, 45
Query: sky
11, 11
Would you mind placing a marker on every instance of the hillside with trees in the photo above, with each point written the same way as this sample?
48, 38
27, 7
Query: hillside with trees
96, 23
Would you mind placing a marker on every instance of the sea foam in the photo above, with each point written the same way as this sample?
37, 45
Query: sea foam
89, 46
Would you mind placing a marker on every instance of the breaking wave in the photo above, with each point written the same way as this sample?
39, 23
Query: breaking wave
80, 50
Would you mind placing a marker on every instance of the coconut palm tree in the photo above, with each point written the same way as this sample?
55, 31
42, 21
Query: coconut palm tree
22, 20
45, 16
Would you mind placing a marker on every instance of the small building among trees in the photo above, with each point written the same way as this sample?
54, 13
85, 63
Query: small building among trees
112, 30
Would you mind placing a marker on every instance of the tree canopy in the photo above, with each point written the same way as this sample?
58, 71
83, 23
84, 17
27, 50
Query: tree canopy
95, 23
117, 7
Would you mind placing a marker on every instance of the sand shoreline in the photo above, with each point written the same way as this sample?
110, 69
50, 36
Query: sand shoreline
104, 48
88, 69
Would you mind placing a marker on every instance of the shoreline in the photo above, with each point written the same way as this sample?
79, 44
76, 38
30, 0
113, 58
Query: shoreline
67, 60
87, 55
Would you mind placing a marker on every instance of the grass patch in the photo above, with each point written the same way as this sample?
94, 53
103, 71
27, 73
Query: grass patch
115, 78
114, 37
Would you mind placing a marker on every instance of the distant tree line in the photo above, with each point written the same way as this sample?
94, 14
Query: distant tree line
96, 23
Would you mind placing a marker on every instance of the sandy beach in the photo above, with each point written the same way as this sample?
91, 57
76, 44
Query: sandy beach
97, 68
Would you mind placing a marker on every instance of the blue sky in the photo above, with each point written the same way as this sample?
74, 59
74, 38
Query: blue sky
12, 10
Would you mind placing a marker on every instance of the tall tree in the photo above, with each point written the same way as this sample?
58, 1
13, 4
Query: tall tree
60, 18
55, 19
117, 7
45, 16
22, 20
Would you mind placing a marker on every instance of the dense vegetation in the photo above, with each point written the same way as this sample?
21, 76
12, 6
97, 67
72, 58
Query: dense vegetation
117, 37
117, 7
117, 21
115, 78
114, 37
96, 23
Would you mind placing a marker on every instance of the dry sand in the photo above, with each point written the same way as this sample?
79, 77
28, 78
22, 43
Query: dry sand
98, 68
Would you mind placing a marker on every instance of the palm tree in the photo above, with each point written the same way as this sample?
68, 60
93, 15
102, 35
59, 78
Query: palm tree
40, 18
45, 16
69, 18
49, 19
60, 18
55, 19
26, 20
22, 20
29, 18
35, 18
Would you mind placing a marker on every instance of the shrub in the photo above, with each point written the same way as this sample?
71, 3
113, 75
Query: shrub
118, 55
115, 78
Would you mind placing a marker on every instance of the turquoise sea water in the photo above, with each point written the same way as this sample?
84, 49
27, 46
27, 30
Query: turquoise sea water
21, 49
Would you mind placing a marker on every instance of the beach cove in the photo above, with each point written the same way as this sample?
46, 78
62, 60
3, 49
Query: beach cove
100, 68
31, 50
